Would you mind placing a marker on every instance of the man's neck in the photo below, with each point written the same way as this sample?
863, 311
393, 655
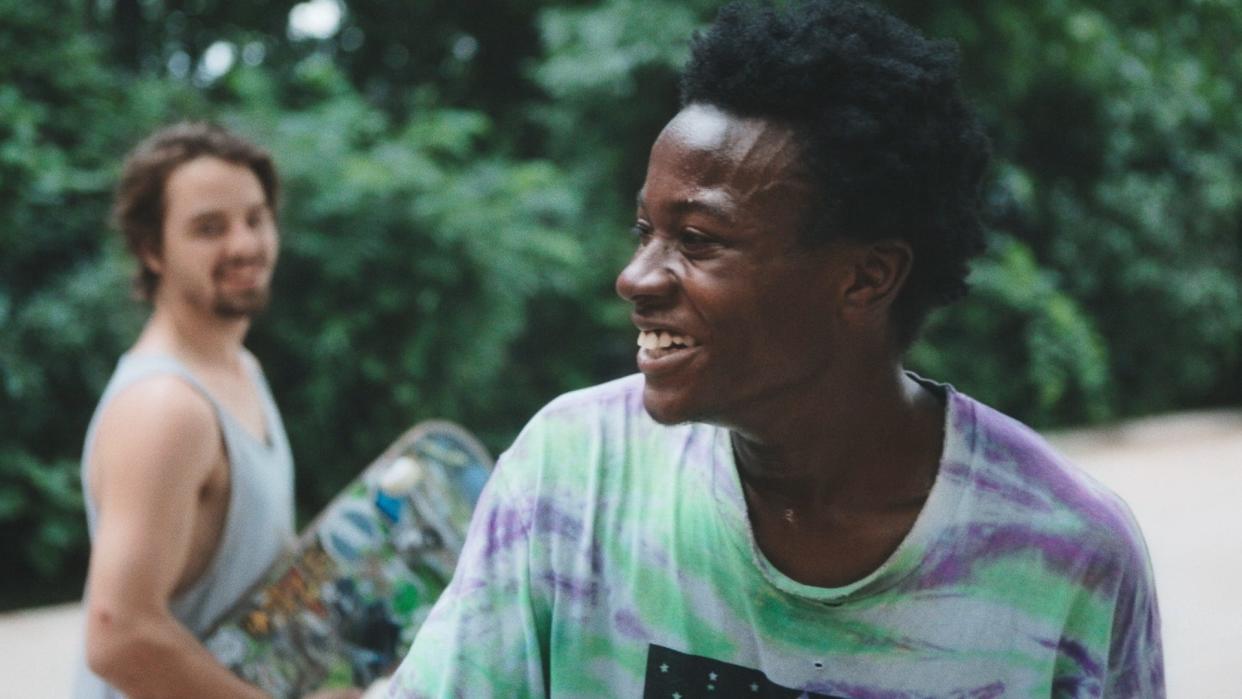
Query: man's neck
869, 443
194, 337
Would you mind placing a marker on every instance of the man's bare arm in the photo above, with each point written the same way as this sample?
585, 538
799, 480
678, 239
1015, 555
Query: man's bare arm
155, 448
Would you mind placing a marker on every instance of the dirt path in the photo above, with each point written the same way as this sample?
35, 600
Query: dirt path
1181, 474
37, 651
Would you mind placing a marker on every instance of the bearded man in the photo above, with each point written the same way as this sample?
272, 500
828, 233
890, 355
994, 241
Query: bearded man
186, 468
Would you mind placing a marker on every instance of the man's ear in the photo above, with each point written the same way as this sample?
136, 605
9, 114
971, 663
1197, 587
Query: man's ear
151, 259
879, 272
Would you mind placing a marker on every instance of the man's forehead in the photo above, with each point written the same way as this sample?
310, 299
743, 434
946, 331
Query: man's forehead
207, 207
707, 127
208, 185
710, 160
701, 127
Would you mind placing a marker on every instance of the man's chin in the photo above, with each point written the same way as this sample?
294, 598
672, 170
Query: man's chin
666, 408
241, 307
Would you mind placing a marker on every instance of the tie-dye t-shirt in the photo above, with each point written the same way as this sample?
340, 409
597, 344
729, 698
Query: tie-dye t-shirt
611, 556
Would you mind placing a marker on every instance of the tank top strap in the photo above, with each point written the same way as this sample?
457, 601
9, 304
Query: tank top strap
135, 367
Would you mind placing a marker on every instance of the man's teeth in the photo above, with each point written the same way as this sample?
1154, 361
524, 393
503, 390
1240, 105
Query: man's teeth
662, 339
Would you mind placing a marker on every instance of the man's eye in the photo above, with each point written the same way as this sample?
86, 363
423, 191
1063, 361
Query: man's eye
258, 217
210, 229
696, 242
641, 231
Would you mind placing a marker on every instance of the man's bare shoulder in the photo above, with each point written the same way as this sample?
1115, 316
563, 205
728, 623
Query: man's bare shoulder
155, 424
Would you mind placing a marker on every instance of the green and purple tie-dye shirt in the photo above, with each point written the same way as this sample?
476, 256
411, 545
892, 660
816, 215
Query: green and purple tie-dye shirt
611, 556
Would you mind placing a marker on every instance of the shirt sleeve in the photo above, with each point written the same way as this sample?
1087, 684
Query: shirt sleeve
1136, 657
485, 637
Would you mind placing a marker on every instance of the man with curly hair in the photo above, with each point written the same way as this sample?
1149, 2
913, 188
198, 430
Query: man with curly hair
773, 506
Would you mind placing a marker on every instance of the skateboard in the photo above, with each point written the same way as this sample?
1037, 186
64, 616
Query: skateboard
341, 609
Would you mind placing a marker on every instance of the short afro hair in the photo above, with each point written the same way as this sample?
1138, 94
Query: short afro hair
884, 129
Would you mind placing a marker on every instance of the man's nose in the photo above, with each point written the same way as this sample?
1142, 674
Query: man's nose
245, 240
649, 274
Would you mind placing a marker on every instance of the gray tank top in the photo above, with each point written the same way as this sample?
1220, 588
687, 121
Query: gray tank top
258, 527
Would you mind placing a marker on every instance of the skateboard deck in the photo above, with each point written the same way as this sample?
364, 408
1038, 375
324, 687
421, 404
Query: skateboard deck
342, 608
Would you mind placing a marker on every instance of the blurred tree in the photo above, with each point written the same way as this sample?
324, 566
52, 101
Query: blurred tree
1020, 342
58, 338
410, 266
1119, 156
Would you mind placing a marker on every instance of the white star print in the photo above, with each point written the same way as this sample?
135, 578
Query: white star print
663, 667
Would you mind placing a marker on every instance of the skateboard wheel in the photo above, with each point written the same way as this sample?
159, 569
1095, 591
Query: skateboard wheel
401, 477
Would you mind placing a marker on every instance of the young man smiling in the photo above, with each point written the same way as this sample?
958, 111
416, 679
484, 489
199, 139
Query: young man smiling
774, 507
186, 469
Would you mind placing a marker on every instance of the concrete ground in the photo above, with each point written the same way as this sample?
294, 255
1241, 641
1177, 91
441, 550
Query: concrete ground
1181, 474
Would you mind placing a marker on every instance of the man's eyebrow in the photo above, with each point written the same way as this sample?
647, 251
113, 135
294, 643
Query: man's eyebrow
206, 214
709, 205
216, 211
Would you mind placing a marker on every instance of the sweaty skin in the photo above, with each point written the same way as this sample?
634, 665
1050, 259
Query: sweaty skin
791, 345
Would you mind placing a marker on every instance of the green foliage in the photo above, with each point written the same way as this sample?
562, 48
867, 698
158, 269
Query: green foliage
1119, 151
1018, 343
56, 348
53, 182
410, 263
601, 52
613, 66
51, 169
